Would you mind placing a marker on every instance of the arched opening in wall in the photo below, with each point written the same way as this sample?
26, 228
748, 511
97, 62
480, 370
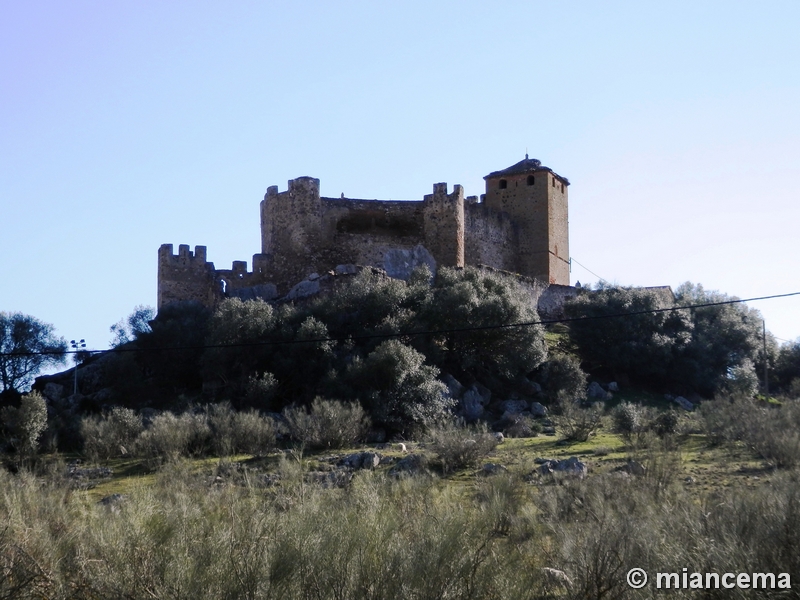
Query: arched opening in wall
224, 287
503, 184
531, 179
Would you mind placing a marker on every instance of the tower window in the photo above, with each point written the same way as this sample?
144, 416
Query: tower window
530, 179
503, 184
554, 182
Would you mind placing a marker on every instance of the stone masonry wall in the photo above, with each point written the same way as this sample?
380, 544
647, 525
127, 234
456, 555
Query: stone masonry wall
491, 238
515, 229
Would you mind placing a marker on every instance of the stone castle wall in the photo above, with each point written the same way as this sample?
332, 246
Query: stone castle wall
515, 227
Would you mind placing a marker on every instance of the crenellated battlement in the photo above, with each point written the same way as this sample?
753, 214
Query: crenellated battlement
514, 226
184, 257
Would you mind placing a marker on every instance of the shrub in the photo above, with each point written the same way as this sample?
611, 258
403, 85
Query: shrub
578, 423
563, 378
234, 432
403, 393
458, 447
726, 420
628, 419
473, 298
24, 426
260, 390
170, 437
666, 423
775, 434
644, 344
329, 424
110, 435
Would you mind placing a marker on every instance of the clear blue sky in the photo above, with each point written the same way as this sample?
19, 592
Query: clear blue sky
125, 125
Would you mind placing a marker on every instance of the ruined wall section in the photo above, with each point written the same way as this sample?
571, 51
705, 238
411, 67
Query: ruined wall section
304, 233
491, 237
364, 232
186, 276
444, 225
238, 282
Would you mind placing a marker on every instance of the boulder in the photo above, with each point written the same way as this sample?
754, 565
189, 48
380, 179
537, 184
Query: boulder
528, 387
513, 407
480, 393
484, 391
453, 385
683, 403
613, 386
571, 466
492, 469
313, 277
635, 468
596, 391
471, 406
400, 263
556, 578
346, 269
303, 289
413, 464
362, 460
538, 410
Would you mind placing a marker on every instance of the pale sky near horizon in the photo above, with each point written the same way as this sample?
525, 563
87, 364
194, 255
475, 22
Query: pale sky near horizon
126, 125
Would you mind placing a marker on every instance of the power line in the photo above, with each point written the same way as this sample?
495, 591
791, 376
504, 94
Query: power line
588, 269
409, 333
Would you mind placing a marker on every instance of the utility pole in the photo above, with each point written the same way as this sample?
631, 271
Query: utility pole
766, 360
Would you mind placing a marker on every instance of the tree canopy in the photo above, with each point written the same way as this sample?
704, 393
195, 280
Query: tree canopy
27, 346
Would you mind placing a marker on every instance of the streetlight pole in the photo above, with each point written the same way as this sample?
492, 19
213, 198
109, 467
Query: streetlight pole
766, 360
76, 347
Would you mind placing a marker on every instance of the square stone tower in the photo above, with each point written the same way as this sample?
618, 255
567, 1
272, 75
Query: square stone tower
535, 197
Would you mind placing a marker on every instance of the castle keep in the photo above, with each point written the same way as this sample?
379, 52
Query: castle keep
520, 225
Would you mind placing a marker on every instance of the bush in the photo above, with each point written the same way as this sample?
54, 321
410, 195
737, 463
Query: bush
110, 435
666, 423
24, 426
644, 345
772, 431
235, 432
329, 424
726, 420
775, 434
402, 393
170, 437
577, 423
459, 447
563, 379
474, 298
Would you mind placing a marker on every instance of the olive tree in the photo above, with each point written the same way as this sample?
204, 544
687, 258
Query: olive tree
27, 346
23, 426
480, 316
627, 331
725, 344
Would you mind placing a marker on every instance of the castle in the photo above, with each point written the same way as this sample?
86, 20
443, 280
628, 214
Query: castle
519, 225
